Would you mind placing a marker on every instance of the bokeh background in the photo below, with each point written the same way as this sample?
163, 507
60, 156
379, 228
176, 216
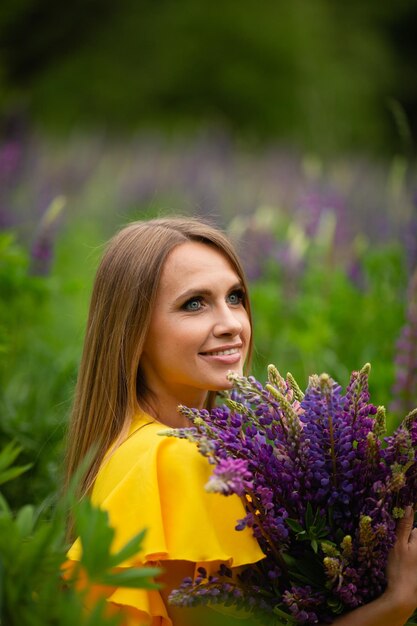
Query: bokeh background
290, 124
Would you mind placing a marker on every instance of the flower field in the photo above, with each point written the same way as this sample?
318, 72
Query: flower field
331, 254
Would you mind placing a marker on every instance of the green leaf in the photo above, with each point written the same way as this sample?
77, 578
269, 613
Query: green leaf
32, 555
9, 454
301, 578
2, 581
135, 577
335, 605
13, 472
310, 517
288, 618
96, 536
25, 520
288, 559
294, 525
131, 548
4, 507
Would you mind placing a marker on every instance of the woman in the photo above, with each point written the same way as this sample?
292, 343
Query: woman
169, 317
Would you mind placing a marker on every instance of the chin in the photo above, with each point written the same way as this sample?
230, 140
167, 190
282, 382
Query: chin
225, 383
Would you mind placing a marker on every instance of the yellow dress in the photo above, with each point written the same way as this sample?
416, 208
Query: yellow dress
157, 482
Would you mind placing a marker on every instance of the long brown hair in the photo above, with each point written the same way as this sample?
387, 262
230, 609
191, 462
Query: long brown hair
109, 383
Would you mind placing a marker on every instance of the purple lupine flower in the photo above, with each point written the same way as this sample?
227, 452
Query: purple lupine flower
230, 476
322, 493
301, 602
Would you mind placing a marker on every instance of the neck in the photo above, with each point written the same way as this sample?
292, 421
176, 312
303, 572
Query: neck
165, 408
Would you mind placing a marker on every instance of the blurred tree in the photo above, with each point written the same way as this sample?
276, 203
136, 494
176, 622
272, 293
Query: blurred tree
33, 29
35, 36
315, 73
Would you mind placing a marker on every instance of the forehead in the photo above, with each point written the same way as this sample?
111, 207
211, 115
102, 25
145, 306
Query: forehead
194, 264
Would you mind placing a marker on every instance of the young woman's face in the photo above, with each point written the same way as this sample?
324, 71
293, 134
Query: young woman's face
199, 328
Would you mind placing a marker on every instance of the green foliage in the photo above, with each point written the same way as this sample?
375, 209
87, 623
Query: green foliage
315, 528
33, 552
7, 458
305, 72
319, 319
37, 368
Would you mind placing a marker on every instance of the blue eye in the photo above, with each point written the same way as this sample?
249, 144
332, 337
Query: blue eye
236, 297
194, 304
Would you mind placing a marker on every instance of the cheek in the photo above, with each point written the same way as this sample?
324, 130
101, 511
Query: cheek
247, 333
177, 339
247, 327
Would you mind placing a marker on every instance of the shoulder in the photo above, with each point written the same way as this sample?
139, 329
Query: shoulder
157, 482
147, 453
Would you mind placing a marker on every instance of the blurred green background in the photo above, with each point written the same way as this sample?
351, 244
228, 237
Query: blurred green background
325, 75
290, 124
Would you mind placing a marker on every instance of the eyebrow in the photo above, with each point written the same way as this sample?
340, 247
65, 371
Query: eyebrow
195, 291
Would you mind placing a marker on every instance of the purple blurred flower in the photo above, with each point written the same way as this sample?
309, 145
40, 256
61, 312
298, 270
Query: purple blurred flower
315, 204
42, 254
43, 245
10, 159
259, 245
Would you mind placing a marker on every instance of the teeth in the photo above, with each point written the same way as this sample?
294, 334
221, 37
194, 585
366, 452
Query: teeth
221, 352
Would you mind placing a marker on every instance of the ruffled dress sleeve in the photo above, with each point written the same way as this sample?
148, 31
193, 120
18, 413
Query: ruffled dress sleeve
157, 483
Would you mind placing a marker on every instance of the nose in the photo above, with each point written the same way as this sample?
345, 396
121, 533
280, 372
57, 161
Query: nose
228, 322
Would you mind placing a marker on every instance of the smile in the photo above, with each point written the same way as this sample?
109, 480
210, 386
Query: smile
221, 352
227, 351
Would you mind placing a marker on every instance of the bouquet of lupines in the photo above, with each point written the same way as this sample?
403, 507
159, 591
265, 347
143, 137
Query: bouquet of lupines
322, 488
